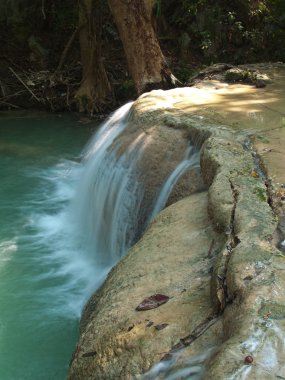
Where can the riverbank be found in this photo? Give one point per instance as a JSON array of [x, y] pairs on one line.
[[240, 267]]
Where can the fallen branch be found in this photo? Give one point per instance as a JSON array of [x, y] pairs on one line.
[[24, 84], [2, 88], [4, 98]]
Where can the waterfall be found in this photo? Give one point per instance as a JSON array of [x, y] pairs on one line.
[[107, 214], [109, 197], [191, 160], [108, 203]]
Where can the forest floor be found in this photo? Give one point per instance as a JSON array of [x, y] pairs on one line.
[[27, 85]]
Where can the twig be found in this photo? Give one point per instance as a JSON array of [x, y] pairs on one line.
[[2, 88], [11, 95], [24, 84]]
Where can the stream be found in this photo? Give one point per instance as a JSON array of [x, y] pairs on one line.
[[41, 286]]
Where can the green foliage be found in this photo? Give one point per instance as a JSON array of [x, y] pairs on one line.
[[237, 31], [184, 72], [50, 23], [126, 90], [263, 139], [261, 194]]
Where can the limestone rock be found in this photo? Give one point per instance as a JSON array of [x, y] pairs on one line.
[[172, 259], [237, 75], [212, 253], [161, 149]]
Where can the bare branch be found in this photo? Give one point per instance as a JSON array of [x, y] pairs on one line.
[[24, 84]]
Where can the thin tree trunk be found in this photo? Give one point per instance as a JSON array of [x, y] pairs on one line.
[[95, 87], [146, 63], [66, 49]]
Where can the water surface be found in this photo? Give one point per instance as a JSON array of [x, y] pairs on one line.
[[40, 299]]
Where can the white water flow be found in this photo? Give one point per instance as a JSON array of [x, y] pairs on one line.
[[64, 225], [191, 160], [86, 238], [101, 222], [105, 213], [90, 217], [84, 218], [173, 369], [109, 197]]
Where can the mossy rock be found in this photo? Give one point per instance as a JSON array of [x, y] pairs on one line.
[[261, 194], [183, 73], [238, 75], [272, 310], [244, 75]]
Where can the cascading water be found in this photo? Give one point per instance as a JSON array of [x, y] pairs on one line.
[[109, 197], [104, 217], [191, 160], [108, 204], [65, 241], [90, 235]]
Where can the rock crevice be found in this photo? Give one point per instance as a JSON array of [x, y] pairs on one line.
[[248, 268]]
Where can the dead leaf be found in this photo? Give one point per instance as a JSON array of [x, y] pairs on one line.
[[152, 302], [161, 326], [254, 173], [88, 354]]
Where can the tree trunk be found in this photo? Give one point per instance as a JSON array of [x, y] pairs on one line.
[[95, 87], [146, 63]]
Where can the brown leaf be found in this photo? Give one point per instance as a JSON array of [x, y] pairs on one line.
[[152, 302], [254, 173], [88, 354], [161, 326]]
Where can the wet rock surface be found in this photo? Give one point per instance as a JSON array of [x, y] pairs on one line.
[[249, 266], [160, 150], [213, 254], [172, 259], [247, 74]]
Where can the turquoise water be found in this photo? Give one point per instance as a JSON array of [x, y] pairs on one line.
[[42, 286]]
